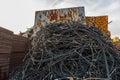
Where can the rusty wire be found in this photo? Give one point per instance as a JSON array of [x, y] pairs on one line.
[[71, 49]]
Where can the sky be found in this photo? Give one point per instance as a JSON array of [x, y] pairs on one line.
[[18, 15]]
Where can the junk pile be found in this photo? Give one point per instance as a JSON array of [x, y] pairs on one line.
[[64, 50]]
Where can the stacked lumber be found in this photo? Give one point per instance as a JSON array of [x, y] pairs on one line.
[[19, 49], [19, 43], [5, 50], [100, 22], [13, 48]]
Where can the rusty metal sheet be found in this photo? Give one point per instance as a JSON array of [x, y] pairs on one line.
[[100, 22], [59, 15]]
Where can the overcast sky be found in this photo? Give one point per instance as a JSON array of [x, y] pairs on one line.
[[18, 15]]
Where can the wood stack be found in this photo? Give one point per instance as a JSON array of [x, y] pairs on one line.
[[13, 48], [100, 22], [5, 50], [19, 50]]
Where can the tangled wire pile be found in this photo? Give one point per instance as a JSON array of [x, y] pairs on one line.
[[70, 49]]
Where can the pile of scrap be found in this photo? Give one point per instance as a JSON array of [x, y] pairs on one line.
[[5, 50], [70, 49], [12, 51]]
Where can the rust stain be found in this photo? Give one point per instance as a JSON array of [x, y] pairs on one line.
[[59, 15]]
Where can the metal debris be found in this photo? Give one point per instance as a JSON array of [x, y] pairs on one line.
[[63, 50]]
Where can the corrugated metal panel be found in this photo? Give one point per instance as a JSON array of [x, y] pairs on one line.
[[99, 22], [59, 15]]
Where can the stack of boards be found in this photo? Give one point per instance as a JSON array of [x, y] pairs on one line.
[[12, 51]]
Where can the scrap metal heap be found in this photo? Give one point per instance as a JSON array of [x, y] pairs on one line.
[[71, 49]]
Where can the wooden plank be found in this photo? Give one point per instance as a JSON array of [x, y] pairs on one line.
[[6, 36], [19, 38], [17, 49], [5, 50], [4, 65], [5, 46], [5, 30], [5, 42]]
